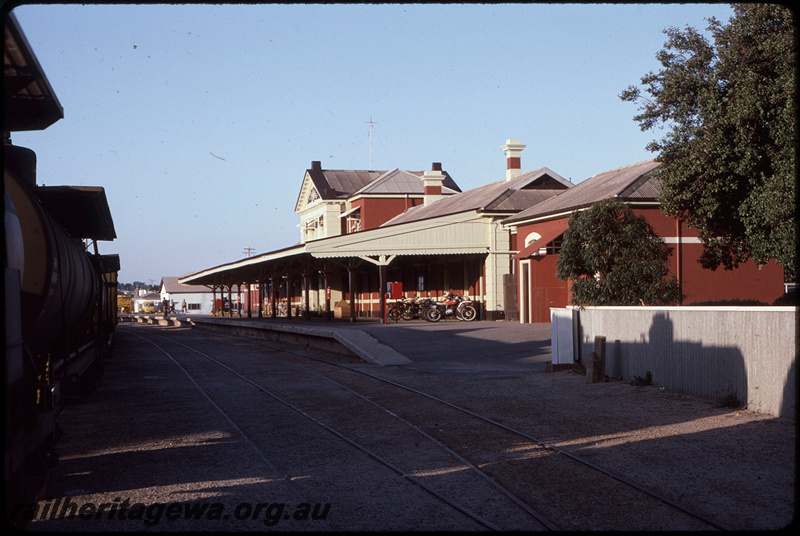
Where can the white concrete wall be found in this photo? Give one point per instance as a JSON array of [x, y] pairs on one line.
[[711, 352]]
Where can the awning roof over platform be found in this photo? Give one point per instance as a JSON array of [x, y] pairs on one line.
[[456, 234], [29, 102], [251, 269], [463, 233]]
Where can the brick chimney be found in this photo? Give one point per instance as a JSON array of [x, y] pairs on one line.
[[432, 181], [513, 148]]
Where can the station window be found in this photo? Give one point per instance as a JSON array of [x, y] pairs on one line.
[[193, 306], [555, 246]]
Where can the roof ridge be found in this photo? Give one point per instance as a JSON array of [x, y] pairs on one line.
[[621, 168], [384, 178]]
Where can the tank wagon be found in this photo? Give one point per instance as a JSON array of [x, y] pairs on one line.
[[60, 292]]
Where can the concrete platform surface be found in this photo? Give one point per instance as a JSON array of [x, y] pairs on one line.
[[446, 347]]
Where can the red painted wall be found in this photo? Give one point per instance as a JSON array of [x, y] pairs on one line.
[[747, 282], [377, 211], [546, 289]]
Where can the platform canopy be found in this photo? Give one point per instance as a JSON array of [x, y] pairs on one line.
[[250, 269], [29, 102], [82, 210], [463, 233], [456, 234]]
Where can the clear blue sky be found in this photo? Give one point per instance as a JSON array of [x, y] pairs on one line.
[[200, 120]]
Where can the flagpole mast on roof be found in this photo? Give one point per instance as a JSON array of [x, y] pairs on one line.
[[370, 142]]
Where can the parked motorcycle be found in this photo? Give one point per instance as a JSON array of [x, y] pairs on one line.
[[396, 310], [415, 308], [453, 305], [408, 308]]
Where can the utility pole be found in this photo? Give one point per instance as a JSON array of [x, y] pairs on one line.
[[248, 251]]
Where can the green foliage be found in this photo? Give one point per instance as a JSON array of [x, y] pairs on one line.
[[728, 161], [729, 303], [613, 257]]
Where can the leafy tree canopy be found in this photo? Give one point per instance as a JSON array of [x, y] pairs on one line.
[[728, 163], [613, 257]]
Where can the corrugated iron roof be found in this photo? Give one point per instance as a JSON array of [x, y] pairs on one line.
[[343, 183], [634, 182], [82, 210], [517, 200], [398, 181], [173, 286], [238, 271], [497, 196], [29, 103]]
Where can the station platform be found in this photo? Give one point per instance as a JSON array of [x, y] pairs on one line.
[[445, 347]]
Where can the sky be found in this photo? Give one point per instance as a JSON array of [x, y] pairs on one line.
[[200, 120]]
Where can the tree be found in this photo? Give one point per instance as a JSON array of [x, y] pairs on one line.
[[728, 164], [613, 257]]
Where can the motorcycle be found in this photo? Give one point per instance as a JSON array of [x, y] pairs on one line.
[[415, 308], [453, 305], [409, 308], [396, 310]]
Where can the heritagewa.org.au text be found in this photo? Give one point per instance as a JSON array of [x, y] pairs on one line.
[[271, 513]]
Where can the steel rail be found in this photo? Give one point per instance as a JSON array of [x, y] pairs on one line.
[[286, 480], [519, 502], [338, 434], [544, 444], [539, 442]]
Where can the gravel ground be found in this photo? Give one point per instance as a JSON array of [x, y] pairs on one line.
[[148, 435], [736, 467]]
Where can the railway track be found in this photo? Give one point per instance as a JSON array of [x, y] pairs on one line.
[[487, 474]]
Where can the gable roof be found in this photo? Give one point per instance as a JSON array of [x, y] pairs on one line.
[[398, 181], [173, 286], [635, 182], [337, 183], [333, 184], [501, 196]]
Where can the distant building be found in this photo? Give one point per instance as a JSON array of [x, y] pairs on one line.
[[198, 298]]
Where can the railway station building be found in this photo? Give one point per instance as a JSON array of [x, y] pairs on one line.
[[369, 236], [539, 230]]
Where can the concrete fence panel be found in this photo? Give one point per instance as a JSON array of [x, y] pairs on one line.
[[742, 353]]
